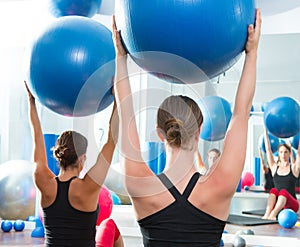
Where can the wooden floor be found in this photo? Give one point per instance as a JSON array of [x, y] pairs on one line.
[[264, 235], [12, 238]]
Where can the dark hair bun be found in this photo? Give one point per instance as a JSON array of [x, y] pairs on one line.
[[174, 129]]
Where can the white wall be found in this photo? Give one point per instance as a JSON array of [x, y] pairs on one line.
[[21, 20]]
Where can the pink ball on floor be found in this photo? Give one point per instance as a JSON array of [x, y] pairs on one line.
[[247, 179]]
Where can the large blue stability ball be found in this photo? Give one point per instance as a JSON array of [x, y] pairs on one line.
[[274, 142], [287, 218], [282, 117], [71, 66], [216, 113], [183, 40], [87, 8]]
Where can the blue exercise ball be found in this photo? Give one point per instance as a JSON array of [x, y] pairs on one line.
[[6, 225], [115, 198], [295, 141], [71, 66], [87, 8], [263, 106], [19, 225], [274, 142], [185, 41], [287, 218], [282, 117], [216, 113]]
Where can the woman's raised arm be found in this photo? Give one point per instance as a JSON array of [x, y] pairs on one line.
[[231, 163], [130, 151], [42, 173]]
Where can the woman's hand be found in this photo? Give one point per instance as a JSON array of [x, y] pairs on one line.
[[30, 96], [254, 34], [120, 50]]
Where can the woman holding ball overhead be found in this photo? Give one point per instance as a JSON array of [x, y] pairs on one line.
[[70, 204], [179, 207], [285, 175]]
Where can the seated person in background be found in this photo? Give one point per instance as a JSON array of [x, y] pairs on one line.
[[268, 184], [285, 175], [212, 156]]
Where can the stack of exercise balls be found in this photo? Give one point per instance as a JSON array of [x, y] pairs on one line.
[[70, 64], [185, 41]]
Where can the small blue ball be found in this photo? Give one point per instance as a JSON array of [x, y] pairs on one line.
[[287, 218], [6, 225], [19, 225]]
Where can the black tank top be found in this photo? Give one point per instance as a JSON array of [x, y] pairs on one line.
[[269, 183], [181, 223], [287, 182], [67, 226]]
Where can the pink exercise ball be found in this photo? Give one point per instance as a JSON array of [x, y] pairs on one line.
[[247, 179], [105, 204]]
